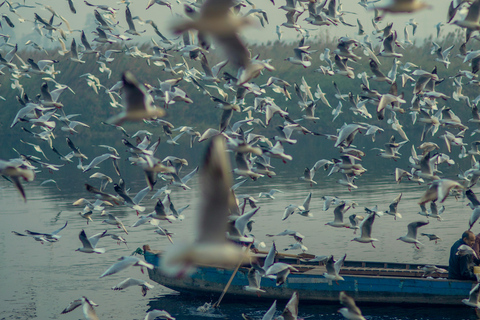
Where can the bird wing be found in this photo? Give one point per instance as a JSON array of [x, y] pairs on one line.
[[242, 221], [475, 294], [124, 263], [394, 204], [72, 306], [189, 176], [271, 312], [330, 266], [338, 264], [60, 229], [306, 203], [88, 311], [348, 302], [291, 309], [254, 278], [472, 197], [270, 258], [216, 181], [85, 242], [413, 227], [338, 213], [366, 226], [94, 239], [128, 283]]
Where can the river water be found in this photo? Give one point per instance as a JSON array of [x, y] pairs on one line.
[[37, 281]]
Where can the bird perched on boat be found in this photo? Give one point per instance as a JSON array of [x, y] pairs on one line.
[[333, 269], [411, 236], [350, 311], [465, 250], [429, 269], [134, 282]]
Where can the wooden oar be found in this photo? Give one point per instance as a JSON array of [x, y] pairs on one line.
[[216, 304]]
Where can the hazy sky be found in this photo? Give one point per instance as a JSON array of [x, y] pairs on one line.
[[164, 18]]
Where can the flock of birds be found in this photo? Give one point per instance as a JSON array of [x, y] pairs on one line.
[[219, 215]]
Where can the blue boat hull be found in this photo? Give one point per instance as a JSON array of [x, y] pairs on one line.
[[315, 287]]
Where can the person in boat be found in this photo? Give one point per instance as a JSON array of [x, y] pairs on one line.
[[461, 267], [476, 245]]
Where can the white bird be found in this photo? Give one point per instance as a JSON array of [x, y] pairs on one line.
[[254, 279], [87, 307], [134, 282], [338, 216], [289, 210], [333, 269], [139, 103], [125, 262], [351, 311], [304, 209], [402, 6], [281, 270], [411, 236], [115, 222], [464, 250], [155, 314], [471, 21], [291, 309], [329, 200], [366, 230], [210, 246], [53, 236], [97, 160], [269, 195], [473, 299], [392, 210], [89, 244]]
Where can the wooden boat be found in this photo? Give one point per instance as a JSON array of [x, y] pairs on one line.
[[367, 282]]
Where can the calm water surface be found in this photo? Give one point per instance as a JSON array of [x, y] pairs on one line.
[[38, 281]]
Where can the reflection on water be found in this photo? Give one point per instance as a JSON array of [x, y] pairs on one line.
[[185, 307], [39, 281]]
